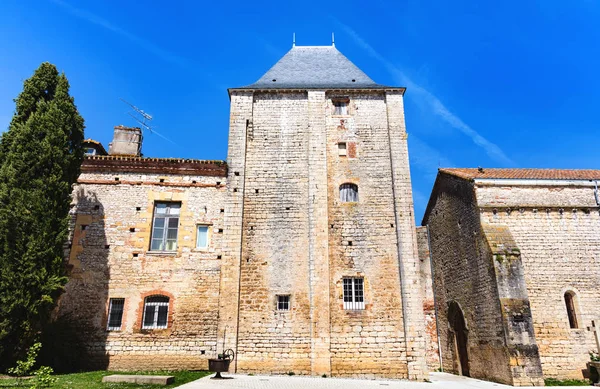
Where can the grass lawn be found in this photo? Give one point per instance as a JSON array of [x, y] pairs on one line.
[[553, 382], [93, 380]]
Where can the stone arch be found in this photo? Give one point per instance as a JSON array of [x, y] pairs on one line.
[[460, 334]]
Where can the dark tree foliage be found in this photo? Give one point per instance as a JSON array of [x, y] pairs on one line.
[[40, 158]]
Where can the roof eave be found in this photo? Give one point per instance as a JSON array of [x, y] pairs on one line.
[[382, 88]]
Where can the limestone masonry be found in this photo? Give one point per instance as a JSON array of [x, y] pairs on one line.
[[515, 262], [299, 253]]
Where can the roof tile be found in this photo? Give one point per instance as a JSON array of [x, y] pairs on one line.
[[523, 174]]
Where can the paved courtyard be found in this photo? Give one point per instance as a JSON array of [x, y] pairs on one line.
[[438, 380]]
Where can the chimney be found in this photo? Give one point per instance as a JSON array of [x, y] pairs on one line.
[[126, 141]]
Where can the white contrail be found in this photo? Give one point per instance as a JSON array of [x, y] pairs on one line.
[[436, 105], [144, 44]]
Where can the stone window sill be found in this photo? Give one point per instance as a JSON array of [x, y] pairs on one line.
[[161, 253]]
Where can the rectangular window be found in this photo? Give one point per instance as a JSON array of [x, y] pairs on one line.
[[340, 107], [354, 297], [342, 149], [202, 237], [115, 314], [283, 302], [156, 312], [164, 226]]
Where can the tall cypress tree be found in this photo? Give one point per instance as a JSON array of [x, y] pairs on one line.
[[40, 158]]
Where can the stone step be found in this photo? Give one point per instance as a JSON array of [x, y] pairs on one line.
[[140, 379]]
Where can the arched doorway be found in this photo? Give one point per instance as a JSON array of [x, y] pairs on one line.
[[456, 320]]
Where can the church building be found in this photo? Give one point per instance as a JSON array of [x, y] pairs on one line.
[[516, 255], [299, 252]]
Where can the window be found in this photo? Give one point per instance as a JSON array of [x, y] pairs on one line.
[[354, 297], [156, 312], [342, 149], [164, 226], [348, 193], [202, 237], [115, 314], [90, 151], [340, 107], [571, 312], [283, 302]]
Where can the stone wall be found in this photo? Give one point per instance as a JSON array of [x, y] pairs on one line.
[[110, 258], [431, 336], [299, 240], [556, 230], [464, 274]]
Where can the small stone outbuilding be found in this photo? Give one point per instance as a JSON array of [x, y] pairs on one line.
[[516, 255]]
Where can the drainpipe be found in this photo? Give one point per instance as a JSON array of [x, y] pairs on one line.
[[437, 323]]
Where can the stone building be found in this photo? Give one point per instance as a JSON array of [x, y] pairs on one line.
[[516, 255], [299, 252]]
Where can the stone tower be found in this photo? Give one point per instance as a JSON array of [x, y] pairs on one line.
[[320, 266]]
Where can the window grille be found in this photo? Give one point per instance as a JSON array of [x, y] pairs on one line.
[[115, 314], [202, 237], [340, 107], [164, 226], [342, 152], [571, 313], [354, 296], [348, 193], [283, 302], [156, 312]]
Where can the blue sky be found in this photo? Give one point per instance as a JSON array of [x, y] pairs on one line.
[[493, 84]]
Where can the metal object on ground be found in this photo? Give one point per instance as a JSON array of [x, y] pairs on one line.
[[221, 364]]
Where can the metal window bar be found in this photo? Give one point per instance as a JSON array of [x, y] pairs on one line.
[[283, 303], [164, 227], [156, 312], [348, 193], [115, 314], [354, 294]]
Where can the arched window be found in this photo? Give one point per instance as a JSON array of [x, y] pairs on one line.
[[156, 312], [348, 193], [571, 308]]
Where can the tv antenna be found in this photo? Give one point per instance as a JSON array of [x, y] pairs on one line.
[[144, 120]]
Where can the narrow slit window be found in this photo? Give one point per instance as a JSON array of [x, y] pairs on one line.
[[156, 312], [571, 312], [342, 151], [348, 193], [202, 237], [115, 314], [164, 226], [354, 295], [283, 302]]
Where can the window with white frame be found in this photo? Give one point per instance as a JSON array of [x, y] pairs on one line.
[[340, 107], [283, 302], [348, 193], [115, 313], [164, 226], [156, 312], [342, 152], [354, 295], [201, 236]]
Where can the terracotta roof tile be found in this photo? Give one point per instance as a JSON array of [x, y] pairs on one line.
[[523, 174]]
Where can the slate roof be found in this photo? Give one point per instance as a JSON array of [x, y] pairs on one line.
[[314, 67], [525, 174]]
